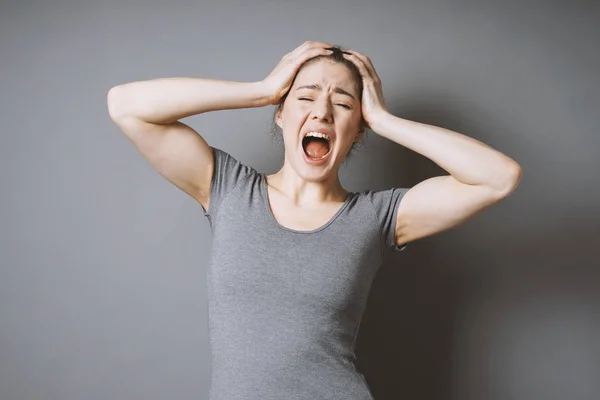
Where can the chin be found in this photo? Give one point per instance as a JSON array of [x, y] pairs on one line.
[[314, 173]]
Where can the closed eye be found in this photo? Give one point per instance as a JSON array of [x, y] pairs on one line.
[[343, 105]]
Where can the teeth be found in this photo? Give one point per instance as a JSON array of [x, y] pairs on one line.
[[318, 134]]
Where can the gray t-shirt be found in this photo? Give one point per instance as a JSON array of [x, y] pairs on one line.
[[284, 305]]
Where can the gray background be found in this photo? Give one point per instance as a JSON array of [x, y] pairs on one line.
[[103, 262]]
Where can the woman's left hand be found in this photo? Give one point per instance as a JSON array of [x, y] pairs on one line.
[[373, 103]]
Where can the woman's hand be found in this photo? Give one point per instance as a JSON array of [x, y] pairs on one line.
[[373, 103], [280, 79]]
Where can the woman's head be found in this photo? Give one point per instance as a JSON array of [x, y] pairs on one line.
[[324, 95]]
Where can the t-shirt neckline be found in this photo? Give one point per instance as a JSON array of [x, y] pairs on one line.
[[265, 195]]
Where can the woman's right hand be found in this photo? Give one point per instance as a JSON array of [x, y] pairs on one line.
[[280, 79]]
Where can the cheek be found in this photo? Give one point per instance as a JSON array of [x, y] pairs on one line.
[[357, 116], [295, 116], [351, 118], [293, 121]]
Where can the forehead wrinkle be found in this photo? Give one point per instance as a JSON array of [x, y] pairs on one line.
[[316, 86]]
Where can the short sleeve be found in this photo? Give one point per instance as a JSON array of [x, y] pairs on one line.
[[386, 204], [227, 173]]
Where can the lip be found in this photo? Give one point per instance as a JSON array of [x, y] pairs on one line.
[[331, 140], [328, 132]]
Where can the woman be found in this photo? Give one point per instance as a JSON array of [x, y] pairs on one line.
[[294, 254]]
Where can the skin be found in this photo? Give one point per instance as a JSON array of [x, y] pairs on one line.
[[309, 108], [479, 176]]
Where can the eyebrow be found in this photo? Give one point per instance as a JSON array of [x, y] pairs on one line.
[[318, 87]]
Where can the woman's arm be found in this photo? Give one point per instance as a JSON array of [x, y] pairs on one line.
[[468, 160], [165, 100], [148, 113], [479, 175]]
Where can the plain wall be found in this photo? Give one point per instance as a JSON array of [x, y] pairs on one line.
[[103, 262]]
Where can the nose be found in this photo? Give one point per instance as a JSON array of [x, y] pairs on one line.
[[322, 109]]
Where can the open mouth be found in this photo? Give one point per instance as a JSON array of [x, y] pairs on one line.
[[316, 145]]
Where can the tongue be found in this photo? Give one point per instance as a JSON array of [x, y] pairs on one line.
[[316, 149]]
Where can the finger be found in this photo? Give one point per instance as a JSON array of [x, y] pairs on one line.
[[310, 50], [367, 75], [362, 57], [366, 61], [318, 44], [308, 45], [307, 50], [311, 53], [362, 68]]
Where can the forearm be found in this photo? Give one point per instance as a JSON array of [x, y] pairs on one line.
[[165, 100], [466, 159]]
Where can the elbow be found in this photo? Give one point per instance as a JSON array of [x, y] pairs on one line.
[[111, 102], [114, 102], [511, 180]]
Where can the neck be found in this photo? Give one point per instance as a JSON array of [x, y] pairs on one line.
[[305, 191]]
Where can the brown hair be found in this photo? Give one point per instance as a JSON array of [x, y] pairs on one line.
[[336, 56]]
